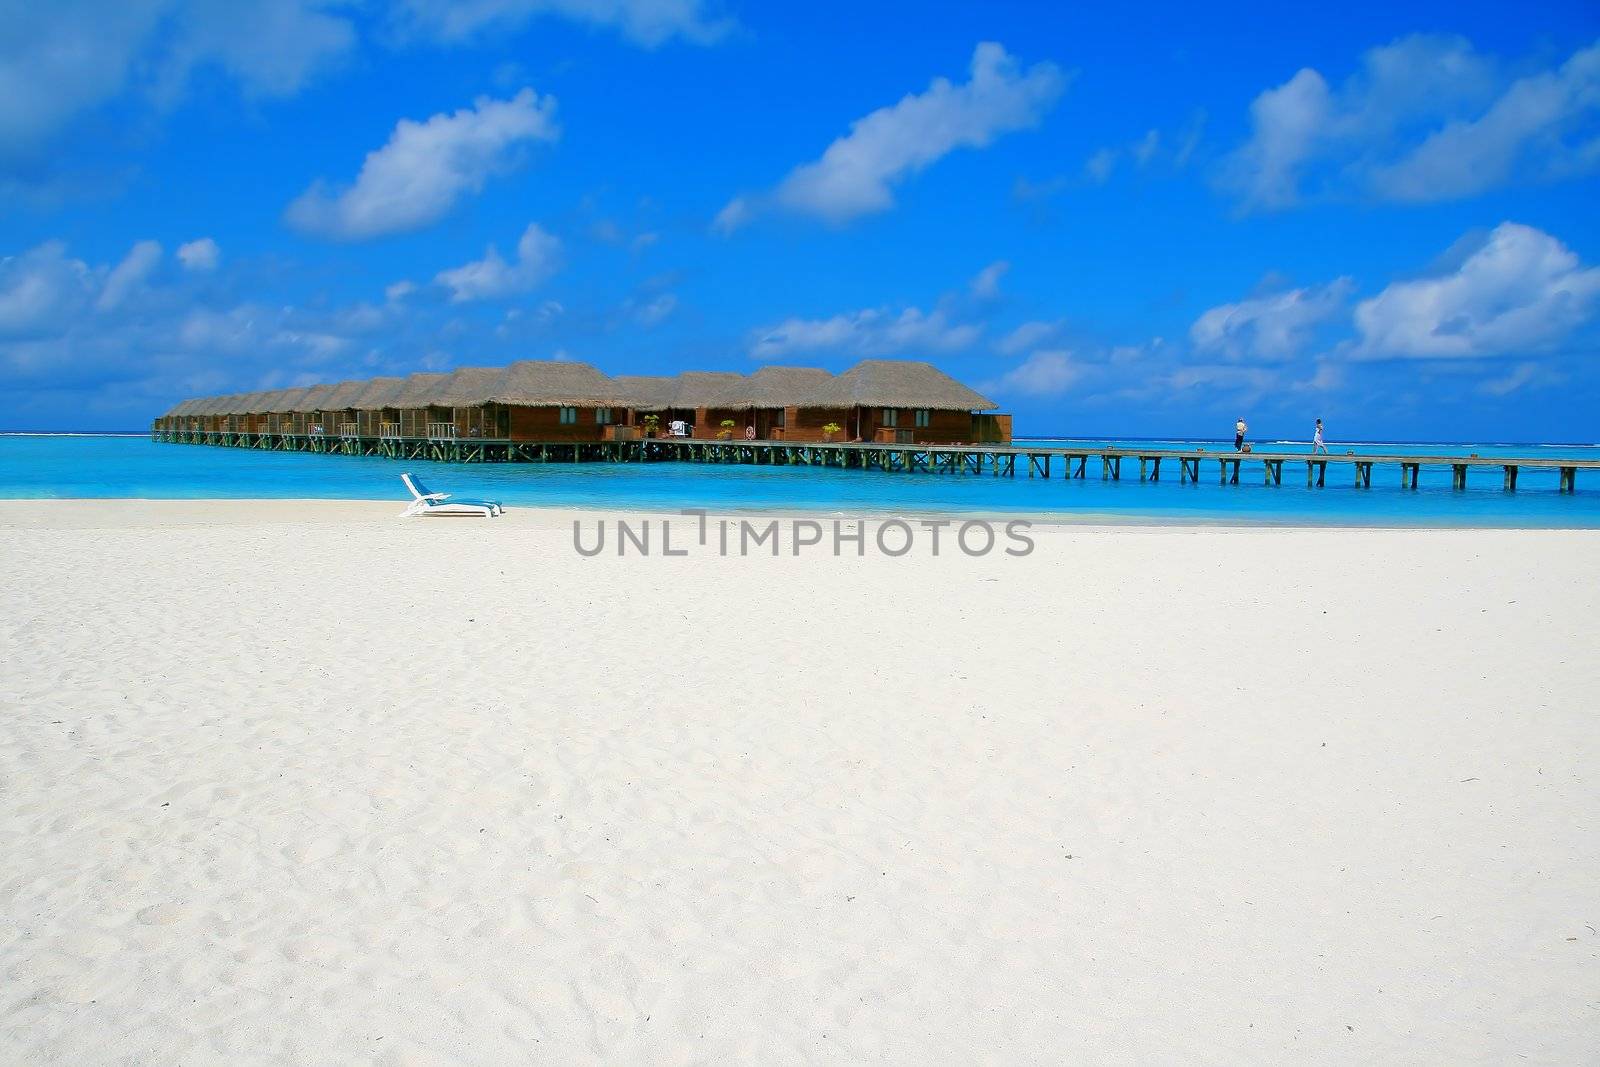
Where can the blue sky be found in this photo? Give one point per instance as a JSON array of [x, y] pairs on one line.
[[1112, 225]]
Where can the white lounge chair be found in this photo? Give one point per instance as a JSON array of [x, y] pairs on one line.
[[426, 503]]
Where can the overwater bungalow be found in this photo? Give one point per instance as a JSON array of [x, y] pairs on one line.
[[558, 400], [778, 404], [906, 401], [283, 416], [376, 415], [703, 399], [465, 394], [414, 404], [334, 412], [644, 396]]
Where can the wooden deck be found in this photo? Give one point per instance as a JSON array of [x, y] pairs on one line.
[[1007, 461]]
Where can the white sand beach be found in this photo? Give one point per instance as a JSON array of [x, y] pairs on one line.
[[302, 783]]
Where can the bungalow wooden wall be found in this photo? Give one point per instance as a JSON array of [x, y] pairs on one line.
[[544, 424], [944, 427], [708, 421], [991, 429], [805, 424]]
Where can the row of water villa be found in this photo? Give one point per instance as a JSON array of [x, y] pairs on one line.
[[888, 415], [497, 412]]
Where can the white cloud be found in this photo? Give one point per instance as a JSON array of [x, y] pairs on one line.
[[1520, 292], [869, 332], [126, 277], [656, 311], [1272, 327], [1028, 335], [734, 214], [231, 330], [1528, 125], [425, 167], [492, 277], [1046, 373], [41, 289], [986, 284], [857, 173], [61, 60], [644, 22], [1145, 149], [1519, 376], [1422, 118], [200, 255], [1100, 165]]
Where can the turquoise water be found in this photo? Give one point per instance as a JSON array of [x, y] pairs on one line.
[[134, 466]]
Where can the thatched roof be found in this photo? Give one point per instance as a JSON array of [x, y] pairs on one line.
[[379, 393], [708, 389], [260, 403], [417, 391], [646, 392], [895, 383], [554, 383], [342, 395], [315, 398], [551, 383], [256, 403], [467, 387], [284, 401], [778, 387]]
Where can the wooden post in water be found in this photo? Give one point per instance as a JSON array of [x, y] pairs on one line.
[[1511, 477]]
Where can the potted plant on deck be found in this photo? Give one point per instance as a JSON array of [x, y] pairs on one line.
[[829, 430], [726, 432], [652, 424]]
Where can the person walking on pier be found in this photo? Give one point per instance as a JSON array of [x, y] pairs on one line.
[[1316, 440], [1239, 429]]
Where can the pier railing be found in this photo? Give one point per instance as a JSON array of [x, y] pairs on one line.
[[441, 431]]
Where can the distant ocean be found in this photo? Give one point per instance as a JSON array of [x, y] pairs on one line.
[[43, 466]]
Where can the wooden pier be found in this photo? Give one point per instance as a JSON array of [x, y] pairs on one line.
[[1008, 461]]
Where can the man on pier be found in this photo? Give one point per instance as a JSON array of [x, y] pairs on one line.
[[1238, 435]]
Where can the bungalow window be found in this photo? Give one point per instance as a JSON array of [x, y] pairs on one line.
[[569, 416], [778, 419], [922, 416], [602, 416], [891, 417]]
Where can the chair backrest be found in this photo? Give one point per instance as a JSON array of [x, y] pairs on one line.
[[418, 490]]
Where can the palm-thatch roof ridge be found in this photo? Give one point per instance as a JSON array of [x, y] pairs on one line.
[[647, 392], [286, 401], [708, 389], [417, 391], [379, 393], [315, 398], [778, 387], [555, 383], [897, 383], [343, 395], [467, 387]]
